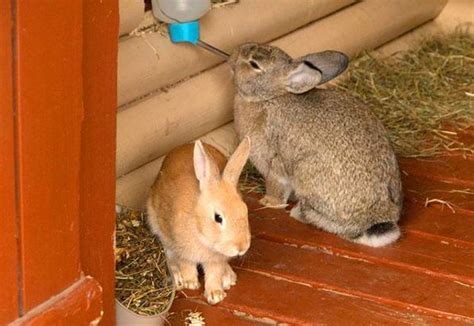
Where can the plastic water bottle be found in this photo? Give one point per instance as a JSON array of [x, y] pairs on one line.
[[182, 16]]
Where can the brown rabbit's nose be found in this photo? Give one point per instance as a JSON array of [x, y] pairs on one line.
[[242, 248]]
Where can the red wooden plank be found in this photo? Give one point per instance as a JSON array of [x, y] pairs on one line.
[[81, 304], [213, 315], [97, 210], [280, 300], [8, 244], [452, 169], [49, 114], [446, 225], [382, 284], [417, 253], [422, 189]]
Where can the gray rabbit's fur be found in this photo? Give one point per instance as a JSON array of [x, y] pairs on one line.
[[323, 146]]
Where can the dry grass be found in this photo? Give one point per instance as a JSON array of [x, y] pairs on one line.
[[423, 96], [142, 280], [251, 180]]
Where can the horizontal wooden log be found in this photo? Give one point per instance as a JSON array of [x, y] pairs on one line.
[[152, 127], [151, 61], [131, 13], [132, 189], [456, 13]]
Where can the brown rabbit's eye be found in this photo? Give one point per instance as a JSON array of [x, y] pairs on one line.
[[255, 65], [218, 218]]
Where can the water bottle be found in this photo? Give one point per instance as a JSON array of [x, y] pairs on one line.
[[182, 17]]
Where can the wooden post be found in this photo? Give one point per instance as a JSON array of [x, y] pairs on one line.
[[57, 161], [97, 209], [8, 242], [48, 117]]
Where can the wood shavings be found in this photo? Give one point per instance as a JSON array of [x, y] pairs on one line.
[[439, 201], [194, 319], [222, 3], [149, 25]]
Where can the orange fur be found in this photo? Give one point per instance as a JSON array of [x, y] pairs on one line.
[[181, 212]]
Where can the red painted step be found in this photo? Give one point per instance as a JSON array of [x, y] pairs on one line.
[[421, 189], [212, 315], [273, 298], [396, 287], [414, 252], [454, 228], [450, 169]]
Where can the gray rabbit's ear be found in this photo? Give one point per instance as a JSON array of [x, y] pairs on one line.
[[330, 63], [302, 77]]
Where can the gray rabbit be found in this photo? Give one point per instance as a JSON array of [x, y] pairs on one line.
[[323, 146]]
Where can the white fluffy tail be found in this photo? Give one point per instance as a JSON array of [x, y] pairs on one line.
[[379, 235]]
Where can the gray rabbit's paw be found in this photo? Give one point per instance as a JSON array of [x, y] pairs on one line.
[[297, 214]]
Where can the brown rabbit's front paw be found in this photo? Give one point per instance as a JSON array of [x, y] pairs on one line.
[[184, 274], [191, 284], [272, 202], [185, 280], [215, 295], [229, 279], [178, 279]]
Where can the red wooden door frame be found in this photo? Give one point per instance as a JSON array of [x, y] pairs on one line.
[[97, 219], [57, 160], [8, 242]]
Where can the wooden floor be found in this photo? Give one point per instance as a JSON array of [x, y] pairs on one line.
[[296, 274]]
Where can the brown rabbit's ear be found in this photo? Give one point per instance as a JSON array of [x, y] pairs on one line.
[[302, 77], [205, 168], [236, 162], [330, 63]]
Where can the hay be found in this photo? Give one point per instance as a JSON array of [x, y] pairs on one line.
[[142, 280], [251, 180], [423, 96]]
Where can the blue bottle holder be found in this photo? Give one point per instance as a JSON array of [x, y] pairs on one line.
[[184, 32]]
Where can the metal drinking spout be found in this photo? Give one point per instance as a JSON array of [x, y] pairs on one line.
[[212, 49]]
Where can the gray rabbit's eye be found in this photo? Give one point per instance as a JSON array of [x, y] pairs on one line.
[[255, 65]]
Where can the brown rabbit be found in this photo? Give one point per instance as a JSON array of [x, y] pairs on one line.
[[199, 216], [323, 146]]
